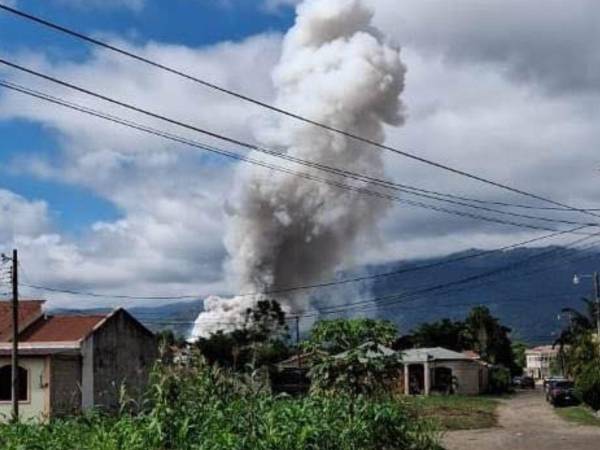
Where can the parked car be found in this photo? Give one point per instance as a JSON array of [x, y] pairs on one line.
[[548, 382], [527, 382], [562, 393], [523, 382]]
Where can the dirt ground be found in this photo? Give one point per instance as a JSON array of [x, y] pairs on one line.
[[526, 422]]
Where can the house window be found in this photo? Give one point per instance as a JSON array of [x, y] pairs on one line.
[[6, 383]]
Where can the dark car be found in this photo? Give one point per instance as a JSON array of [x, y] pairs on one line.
[[562, 393], [549, 383], [523, 382], [527, 383]]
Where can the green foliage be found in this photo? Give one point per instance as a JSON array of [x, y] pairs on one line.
[[489, 338], [499, 380], [167, 337], [443, 333], [480, 332], [588, 384], [259, 342], [364, 370], [354, 360], [203, 407], [581, 415], [338, 335], [520, 359]]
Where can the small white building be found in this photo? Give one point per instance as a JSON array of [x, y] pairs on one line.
[[539, 360], [440, 369]]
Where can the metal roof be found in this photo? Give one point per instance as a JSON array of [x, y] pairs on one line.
[[417, 355]]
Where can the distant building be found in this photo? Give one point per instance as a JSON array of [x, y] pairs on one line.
[[539, 360], [68, 364]]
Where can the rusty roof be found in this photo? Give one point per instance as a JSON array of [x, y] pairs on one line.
[[61, 328], [29, 311]]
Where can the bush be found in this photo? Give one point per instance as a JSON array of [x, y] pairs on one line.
[[588, 384], [499, 380], [206, 408], [363, 370]]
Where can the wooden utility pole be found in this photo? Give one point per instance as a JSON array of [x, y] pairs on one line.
[[298, 341], [597, 299], [15, 337]]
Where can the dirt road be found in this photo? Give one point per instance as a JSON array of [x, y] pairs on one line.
[[526, 422]]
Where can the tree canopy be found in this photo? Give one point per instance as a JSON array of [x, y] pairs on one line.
[[338, 335]]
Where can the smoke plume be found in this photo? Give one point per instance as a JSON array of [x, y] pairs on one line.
[[283, 231]]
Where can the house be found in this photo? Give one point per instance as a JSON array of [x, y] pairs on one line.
[[539, 361], [291, 375], [440, 369], [68, 364]]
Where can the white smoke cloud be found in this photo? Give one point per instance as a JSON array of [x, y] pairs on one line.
[[283, 231]]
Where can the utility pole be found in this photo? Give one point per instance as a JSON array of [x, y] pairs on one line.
[[597, 299], [15, 337], [298, 341]]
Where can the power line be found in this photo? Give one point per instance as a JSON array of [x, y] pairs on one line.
[[306, 286], [440, 290], [285, 112], [451, 292], [406, 296], [399, 297], [157, 298], [401, 307], [312, 177], [314, 165]]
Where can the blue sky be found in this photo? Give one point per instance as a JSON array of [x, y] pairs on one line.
[[490, 87], [198, 23]]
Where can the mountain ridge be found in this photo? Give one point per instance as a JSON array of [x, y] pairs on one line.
[[526, 288]]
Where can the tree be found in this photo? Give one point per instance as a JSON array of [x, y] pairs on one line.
[[519, 349], [579, 350], [588, 383], [580, 323], [338, 335], [443, 333], [258, 342], [353, 356], [485, 335], [365, 370]]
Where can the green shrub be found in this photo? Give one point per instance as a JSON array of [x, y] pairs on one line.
[[206, 408], [499, 380], [588, 384]]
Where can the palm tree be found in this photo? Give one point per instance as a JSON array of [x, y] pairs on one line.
[[581, 322], [581, 326]]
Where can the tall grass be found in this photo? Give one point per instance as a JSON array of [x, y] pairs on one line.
[[204, 408]]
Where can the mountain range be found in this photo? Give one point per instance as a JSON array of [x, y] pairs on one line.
[[526, 288]]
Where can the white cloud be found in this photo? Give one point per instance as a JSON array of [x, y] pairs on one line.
[[509, 93], [171, 197], [20, 217]]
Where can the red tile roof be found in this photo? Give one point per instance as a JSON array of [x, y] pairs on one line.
[[29, 311], [61, 328]]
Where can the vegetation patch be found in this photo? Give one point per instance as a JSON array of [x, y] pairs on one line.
[[581, 415], [457, 412], [199, 407]]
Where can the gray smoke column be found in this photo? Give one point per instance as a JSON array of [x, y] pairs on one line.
[[283, 231]]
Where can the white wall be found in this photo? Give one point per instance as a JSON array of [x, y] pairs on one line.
[[37, 405]]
